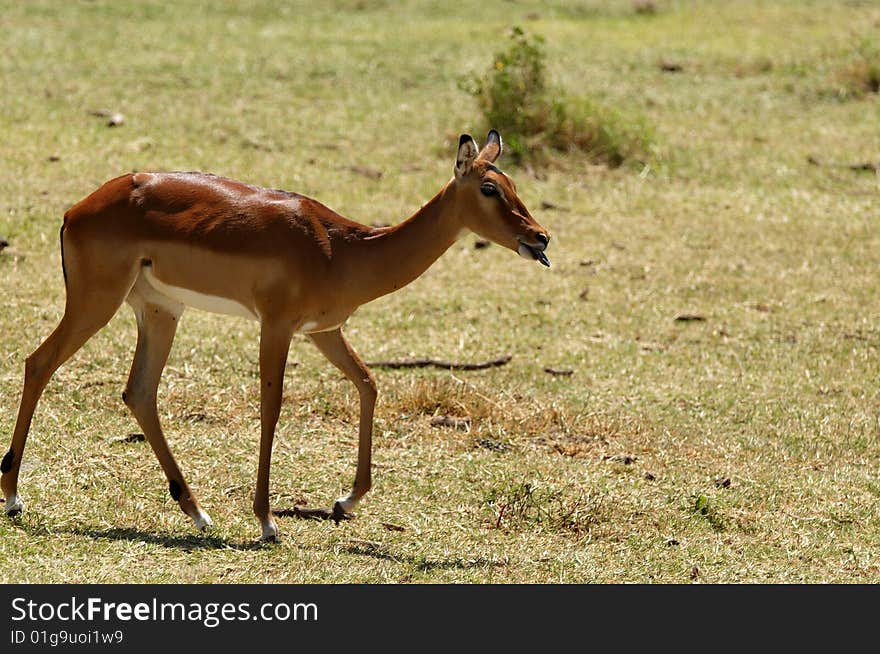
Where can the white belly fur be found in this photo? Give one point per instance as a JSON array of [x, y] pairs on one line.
[[190, 298]]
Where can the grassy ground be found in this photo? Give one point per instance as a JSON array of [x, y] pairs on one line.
[[741, 447]]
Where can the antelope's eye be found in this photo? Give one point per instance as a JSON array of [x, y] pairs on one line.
[[488, 190]]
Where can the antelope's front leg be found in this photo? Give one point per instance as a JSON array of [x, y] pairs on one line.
[[274, 345], [337, 350]]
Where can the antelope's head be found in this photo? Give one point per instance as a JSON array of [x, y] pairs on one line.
[[493, 209]]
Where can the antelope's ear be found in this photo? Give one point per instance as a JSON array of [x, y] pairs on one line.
[[492, 150], [467, 154]]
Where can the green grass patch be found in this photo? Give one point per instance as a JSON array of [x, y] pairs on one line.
[[860, 75], [777, 388], [538, 118]]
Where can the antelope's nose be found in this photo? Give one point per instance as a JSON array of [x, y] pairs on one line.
[[543, 239]]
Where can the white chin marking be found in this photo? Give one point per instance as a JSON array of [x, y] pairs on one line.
[[525, 252], [202, 521], [14, 505], [270, 531]]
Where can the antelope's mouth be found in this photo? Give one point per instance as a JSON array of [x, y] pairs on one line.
[[534, 252]]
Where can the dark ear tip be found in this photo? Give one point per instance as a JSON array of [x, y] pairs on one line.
[[464, 138], [493, 135]]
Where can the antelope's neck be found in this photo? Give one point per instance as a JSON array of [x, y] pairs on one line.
[[395, 257]]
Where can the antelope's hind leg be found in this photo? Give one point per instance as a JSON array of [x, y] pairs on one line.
[[157, 318], [69, 336], [93, 297]]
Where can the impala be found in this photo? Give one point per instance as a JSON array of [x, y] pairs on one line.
[[165, 241]]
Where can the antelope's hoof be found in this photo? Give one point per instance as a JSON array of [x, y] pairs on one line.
[[270, 532], [14, 506], [203, 521], [339, 513]]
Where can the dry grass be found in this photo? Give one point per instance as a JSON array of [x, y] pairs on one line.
[[614, 473]]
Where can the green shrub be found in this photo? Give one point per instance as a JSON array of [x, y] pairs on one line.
[[861, 75], [535, 116]]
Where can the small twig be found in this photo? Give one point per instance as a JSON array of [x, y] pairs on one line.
[[114, 118], [869, 166], [130, 438], [552, 206], [560, 373], [445, 365], [670, 67], [500, 516], [690, 317], [295, 512], [451, 421], [390, 526], [366, 171], [313, 514]]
